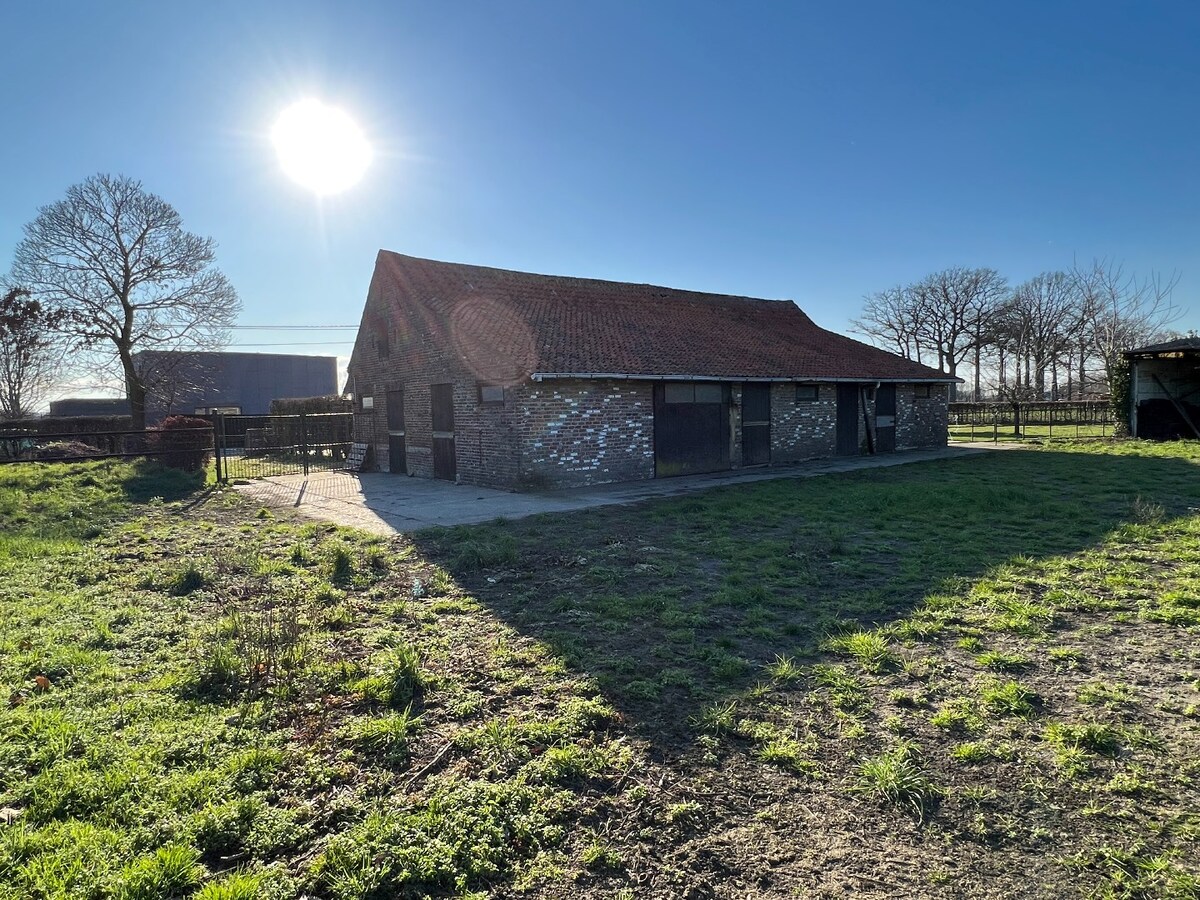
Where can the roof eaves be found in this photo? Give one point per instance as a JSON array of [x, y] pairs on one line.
[[825, 379]]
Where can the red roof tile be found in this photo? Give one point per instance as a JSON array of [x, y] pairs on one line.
[[509, 325]]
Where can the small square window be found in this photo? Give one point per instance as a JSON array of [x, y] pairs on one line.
[[679, 393], [709, 392], [922, 392], [807, 393], [368, 402], [491, 393]]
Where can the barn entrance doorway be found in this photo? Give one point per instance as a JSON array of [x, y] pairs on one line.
[[397, 457], [756, 424], [885, 418], [691, 428], [441, 401], [847, 420]]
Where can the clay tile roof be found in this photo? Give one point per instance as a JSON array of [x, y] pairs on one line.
[[507, 325]]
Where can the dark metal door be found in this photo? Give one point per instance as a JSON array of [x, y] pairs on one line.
[[885, 418], [756, 424], [397, 456], [442, 403], [847, 419], [691, 428]]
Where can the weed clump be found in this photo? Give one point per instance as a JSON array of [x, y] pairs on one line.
[[1009, 699], [189, 580], [472, 555], [398, 681], [171, 871], [870, 648], [388, 736], [339, 562], [897, 777], [466, 835]]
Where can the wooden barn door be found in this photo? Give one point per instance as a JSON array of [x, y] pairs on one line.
[[397, 456], [756, 424], [885, 418], [691, 428], [442, 403], [847, 419]]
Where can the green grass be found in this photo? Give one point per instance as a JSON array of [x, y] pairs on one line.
[[1029, 432], [991, 662]]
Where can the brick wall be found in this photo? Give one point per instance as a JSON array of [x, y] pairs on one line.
[[484, 434], [573, 433], [551, 434], [804, 429], [921, 422]]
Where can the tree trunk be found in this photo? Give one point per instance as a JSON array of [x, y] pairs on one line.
[[136, 392], [978, 392]]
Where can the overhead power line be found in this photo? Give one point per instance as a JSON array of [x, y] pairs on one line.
[[294, 344], [293, 327]]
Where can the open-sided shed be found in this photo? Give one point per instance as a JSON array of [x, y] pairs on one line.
[[1165, 388]]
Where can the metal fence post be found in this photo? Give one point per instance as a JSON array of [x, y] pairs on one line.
[[304, 442], [218, 445]]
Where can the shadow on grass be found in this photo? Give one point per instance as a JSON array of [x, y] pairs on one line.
[[69, 500], [148, 480], [674, 604]]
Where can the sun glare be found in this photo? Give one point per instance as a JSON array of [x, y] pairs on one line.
[[320, 147]]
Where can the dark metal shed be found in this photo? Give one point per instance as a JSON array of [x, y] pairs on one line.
[[1165, 388]]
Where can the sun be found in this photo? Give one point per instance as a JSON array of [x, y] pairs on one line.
[[320, 147]]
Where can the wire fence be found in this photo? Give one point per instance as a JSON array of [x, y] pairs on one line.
[[254, 446], [190, 447], [1024, 421]]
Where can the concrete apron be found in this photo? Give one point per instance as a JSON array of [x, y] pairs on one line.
[[387, 504]]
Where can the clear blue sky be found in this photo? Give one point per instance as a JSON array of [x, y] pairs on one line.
[[815, 151]]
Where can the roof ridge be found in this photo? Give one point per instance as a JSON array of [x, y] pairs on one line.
[[576, 279]]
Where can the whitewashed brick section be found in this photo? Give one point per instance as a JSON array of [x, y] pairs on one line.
[[584, 432]]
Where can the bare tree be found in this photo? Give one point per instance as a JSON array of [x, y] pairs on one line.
[[950, 315], [956, 311], [1122, 311], [889, 320], [1038, 320], [29, 355], [171, 378], [116, 264]]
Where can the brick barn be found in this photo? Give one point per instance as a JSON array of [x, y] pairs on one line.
[[523, 381]]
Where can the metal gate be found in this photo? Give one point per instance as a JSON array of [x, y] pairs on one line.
[[254, 446]]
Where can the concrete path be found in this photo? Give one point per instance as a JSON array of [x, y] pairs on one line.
[[387, 504]]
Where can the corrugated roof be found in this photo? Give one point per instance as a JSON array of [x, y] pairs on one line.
[[1187, 343], [509, 325]]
